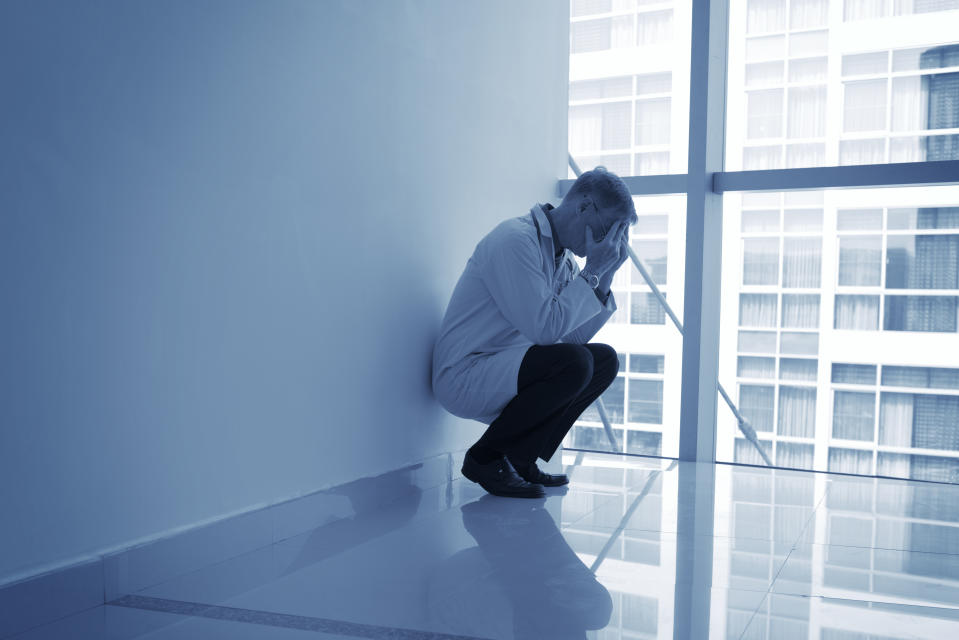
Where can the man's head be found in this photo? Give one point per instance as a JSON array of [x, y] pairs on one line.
[[598, 199]]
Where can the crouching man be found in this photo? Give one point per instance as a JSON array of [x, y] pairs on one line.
[[513, 351]]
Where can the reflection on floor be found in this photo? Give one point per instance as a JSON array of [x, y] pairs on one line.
[[635, 548]]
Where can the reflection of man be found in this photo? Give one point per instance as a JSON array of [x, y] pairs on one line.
[[512, 351], [552, 593]]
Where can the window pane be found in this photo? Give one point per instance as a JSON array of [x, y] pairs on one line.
[[754, 367], [645, 309], [757, 341], [854, 415], [854, 373], [902, 93], [860, 260], [652, 253], [925, 377], [652, 352], [802, 261], [882, 371], [920, 313], [800, 311], [859, 220], [757, 310], [922, 262], [652, 121], [797, 411], [761, 261], [644, 443], [799, 343], [646, 401], [756, 405], [798, 369], [857, 313], [923, 421], [924, 218]]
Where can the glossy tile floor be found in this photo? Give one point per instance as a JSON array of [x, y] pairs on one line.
[[635, 548]]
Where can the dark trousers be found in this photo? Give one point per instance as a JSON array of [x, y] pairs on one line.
[[556, 383]]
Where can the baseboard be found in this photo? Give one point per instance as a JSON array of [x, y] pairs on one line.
[[40, 599]]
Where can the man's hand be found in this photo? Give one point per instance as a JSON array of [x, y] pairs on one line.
[[606, 256]]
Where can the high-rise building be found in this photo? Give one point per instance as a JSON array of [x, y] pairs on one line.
[[839, 327]]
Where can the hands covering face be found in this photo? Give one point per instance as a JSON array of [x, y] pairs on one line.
[[607, 255]]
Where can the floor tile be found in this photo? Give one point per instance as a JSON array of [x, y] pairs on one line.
[[882, 575], [787, 617], [122, 623]]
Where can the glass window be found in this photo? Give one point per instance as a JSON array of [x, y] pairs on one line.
[[797, 411], [757, 341], [859, 220], [800, 311], [804, 14], [646, 401], [765, 15], [794, 455], [799, 220], [652, 121], [857, 313], [761, 261], [765, 114], [800, 369], [854, 373], [808, 43], [645, 309], [920, 313], [802, 262], [644, 443], [618, 87], [755, 367], [864, 105], [854, 415], [756, 405], [650, 225], [653, 254], [850, 461], [591, 35], [860, 260], [924, 377], [614, 399], [807, 70], [924, 218], [757, 309], [922, 262], [760, 221], [762, 73], [640, 363], [654, 27], [923, 421], [799, 343], [807, 112]]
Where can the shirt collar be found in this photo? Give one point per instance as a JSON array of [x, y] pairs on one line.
[[546, 225]]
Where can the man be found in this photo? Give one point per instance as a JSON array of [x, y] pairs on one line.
[[512, 350]]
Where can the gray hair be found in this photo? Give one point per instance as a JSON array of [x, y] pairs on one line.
[[607, 189]]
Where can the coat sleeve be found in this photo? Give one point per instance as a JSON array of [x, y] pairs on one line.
[[513, 273], [585, 332]]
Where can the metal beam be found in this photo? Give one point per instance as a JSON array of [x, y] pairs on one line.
[[897, 174], [641, 185], [704, 231]]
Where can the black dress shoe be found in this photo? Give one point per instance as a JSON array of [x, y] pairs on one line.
[[531, 473], [500, 478]]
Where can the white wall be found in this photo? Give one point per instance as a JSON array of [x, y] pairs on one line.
[[228, 233]]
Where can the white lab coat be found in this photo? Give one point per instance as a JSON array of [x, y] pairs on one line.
[[511, 296]]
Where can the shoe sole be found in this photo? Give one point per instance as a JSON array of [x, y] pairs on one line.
[[535, 491]]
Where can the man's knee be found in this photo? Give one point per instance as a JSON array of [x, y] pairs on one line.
[[605, 361], [576, 365]]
